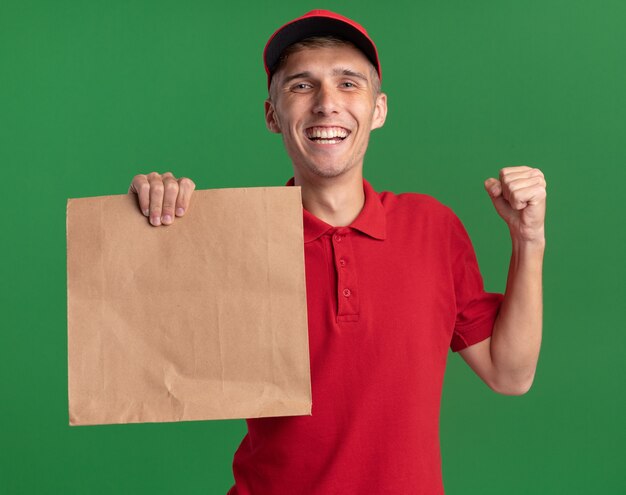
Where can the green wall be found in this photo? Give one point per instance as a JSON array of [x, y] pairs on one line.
[[92, 93]]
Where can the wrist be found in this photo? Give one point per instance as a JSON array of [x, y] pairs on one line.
[[528, 246], [534, 238]]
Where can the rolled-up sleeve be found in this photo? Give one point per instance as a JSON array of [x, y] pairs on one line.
[[476, 310]]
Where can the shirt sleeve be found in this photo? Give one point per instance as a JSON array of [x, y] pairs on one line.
[[476, 310]]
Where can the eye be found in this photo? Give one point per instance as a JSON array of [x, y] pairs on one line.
[[348, 84], [301, 86]]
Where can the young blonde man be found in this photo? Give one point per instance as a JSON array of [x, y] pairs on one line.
[[392, 283]]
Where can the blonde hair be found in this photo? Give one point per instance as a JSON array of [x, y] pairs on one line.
[[320, 42]]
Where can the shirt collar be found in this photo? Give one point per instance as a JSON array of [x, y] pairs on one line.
[[371, 220]]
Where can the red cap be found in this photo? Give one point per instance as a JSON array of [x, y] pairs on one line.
[[318, 23]]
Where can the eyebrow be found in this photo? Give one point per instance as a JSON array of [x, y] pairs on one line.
[[349, 72], [299, 75], [336, 72]]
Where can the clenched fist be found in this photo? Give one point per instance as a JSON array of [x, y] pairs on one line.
[[162, 197], [519, 196]]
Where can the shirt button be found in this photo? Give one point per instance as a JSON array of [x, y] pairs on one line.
[[346, 292], [337, 238], [342, 262]]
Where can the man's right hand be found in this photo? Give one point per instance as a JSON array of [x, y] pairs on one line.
[[162, 197]]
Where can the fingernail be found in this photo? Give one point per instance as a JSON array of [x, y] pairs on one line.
[[167, 219], [146, 212], [156, 221], [180, 212]]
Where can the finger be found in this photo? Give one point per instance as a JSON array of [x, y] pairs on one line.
[[524, 182], [185, 189], [532, 194], [156, 198], [493, 187], [514, 170], [170, 192], [515, 191], [510, 174], [141, 188]]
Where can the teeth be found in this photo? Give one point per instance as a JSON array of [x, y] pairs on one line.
[[326, 132]]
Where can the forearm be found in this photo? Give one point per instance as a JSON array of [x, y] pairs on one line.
[[516, 338]]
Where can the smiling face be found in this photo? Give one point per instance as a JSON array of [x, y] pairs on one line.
[[324, 103]]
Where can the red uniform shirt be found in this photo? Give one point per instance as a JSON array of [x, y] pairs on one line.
[[387, 297]]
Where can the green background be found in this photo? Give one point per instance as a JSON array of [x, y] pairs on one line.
[[92, 93]]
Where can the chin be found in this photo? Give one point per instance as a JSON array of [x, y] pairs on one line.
[[326, 172]]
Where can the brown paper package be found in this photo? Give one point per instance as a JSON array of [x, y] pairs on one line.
[[202, 319]]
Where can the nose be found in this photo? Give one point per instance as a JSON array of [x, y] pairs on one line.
[[326, 100]]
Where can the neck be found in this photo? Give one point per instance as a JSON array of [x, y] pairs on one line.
[[337, 200]]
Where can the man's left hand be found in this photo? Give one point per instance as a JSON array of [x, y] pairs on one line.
[[519, 197]]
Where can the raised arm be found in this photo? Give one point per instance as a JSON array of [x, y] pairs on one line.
[[508, 359]]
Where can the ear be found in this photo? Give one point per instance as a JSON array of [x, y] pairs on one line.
[[380, 111], [271, 118]]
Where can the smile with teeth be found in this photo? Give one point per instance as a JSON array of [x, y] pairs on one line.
[[327, 135]]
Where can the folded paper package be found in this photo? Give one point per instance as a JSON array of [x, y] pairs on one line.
[[202, 319]]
